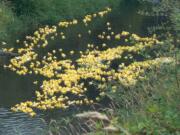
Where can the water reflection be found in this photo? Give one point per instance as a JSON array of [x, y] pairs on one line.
[[14, 88], [20, 124]]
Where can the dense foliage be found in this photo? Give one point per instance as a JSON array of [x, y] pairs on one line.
[[165, 14], [20, 17]]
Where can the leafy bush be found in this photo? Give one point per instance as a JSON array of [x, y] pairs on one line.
[[7, 18], [58, 8], [21, 17]]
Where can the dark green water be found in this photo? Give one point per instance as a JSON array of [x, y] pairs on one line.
[[15, 89]]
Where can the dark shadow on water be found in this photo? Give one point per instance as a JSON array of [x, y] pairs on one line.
[[14, 88]]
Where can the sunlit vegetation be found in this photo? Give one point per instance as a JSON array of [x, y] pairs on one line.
[[68, 82]]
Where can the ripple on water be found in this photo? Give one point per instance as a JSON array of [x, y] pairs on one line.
[[20, 124]]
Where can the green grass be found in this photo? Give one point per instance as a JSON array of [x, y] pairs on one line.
[[157, 111], [152, 106]]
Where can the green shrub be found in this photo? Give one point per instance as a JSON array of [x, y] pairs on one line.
[[11, 27], [22, 17], [54, 10], [7, 18]]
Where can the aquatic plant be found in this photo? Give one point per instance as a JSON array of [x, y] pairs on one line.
[[67, 82]]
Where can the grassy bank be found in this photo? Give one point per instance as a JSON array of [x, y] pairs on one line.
[[150, 107], [158, 108]]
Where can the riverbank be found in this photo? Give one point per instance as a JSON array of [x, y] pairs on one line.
[[155, 109]]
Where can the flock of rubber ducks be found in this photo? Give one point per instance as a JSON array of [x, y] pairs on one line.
[[65, 82]]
